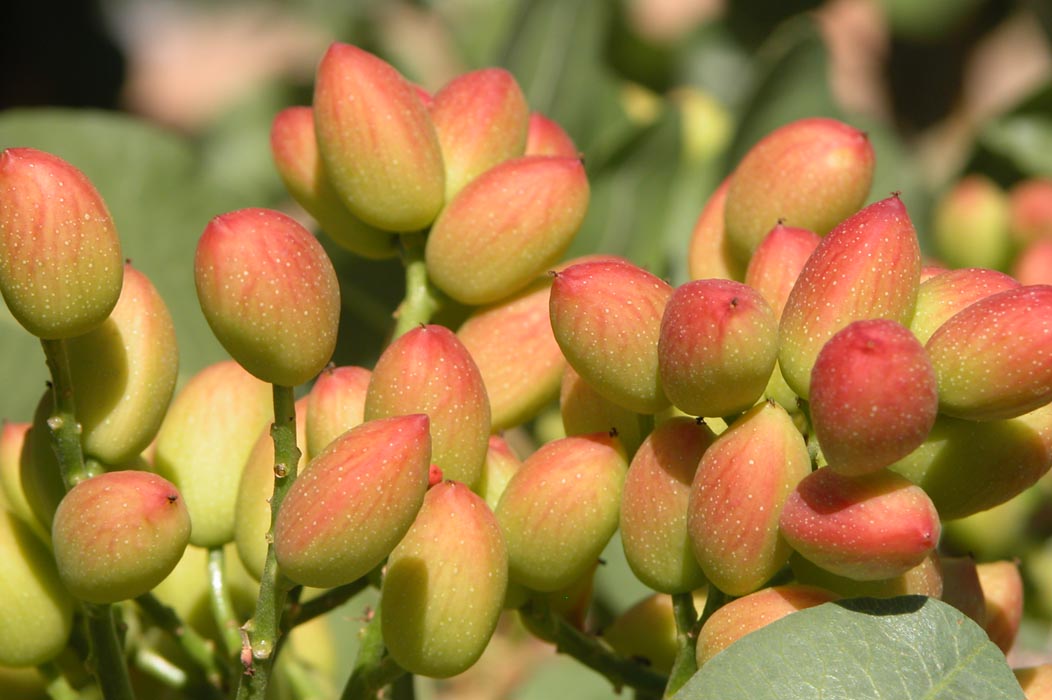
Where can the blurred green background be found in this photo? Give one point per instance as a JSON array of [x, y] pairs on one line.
[[167, 105]]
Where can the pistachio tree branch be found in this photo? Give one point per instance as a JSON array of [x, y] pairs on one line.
[[65, 431], [686, 664], [373, 669], [262, 631], [107, 657]]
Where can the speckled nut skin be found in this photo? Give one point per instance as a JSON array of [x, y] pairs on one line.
[[355, 501], [269, 293], [778, 262], [709, 255], [943, 295], [119, 534], [444, 586], [60, 258], [737, 496], [335, 404], [867, 267]]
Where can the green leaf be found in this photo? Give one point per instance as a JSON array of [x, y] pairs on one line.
[[907, 648], [1024, 139]]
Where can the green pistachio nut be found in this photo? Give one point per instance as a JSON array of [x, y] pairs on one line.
[[961, 587], [993, 360], [119, 534], [584, 410], [812, 173], [970, 228], [924, 579], [873, 396], [500, 465], [717, 348], [506, 227], [654, 506], [335, 404], [60, 258], [124, 373], [205, 440], [737, 496], [646, 633], [561, 508], [1002, 586], [428, 370], [443, 590], [354, 502], [867, 267], [36, 611], [14, 447], [967, 466], [252, 512], [379, 146], [606, 316], [269, 293], [294, 146], [512, 343], [481, 118], [867, 527]]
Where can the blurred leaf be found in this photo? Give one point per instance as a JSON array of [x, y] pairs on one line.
[[615, 584], [791, 84], [1024, 139], [904, 648], [715, 62], [898, 170], [479, 28]]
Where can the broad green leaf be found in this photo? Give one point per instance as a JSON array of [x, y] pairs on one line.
[[907, 648], [1024, 139]]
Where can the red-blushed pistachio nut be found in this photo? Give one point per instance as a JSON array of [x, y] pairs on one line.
[[205, 440], [1034, 263], [119, 534], [561, 508], [500, 465], [585, 411], [929, 269], [654, 506], [512, 343], [335, 404], [873, 396], [13, 445], [507, 226], [867, 267], [943, 295], [737, 496], [924, 579], [966, 467], [1030, 204], [481, 118], [752, 612], [252, 513], [970, 226], [993, 360], [544, 137], [269, 293], [377, 141], [646, 633], [294, 147], [868, 527], [961, 587], [812, 173], [428, 370], [717, 347], [777, 262], [1002, 587], [124, 373], [606, 316], [354, 502], [36, 611], [709, 255], [60, 257], [443, 590]]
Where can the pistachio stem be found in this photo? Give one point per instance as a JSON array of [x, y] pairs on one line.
[[262, 631], [222, 605], [200, 650], [685, 664], [590, 652], [420, 301], [107, 657], [65, 431], [373, 669], [298, 613], [57, 685]]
